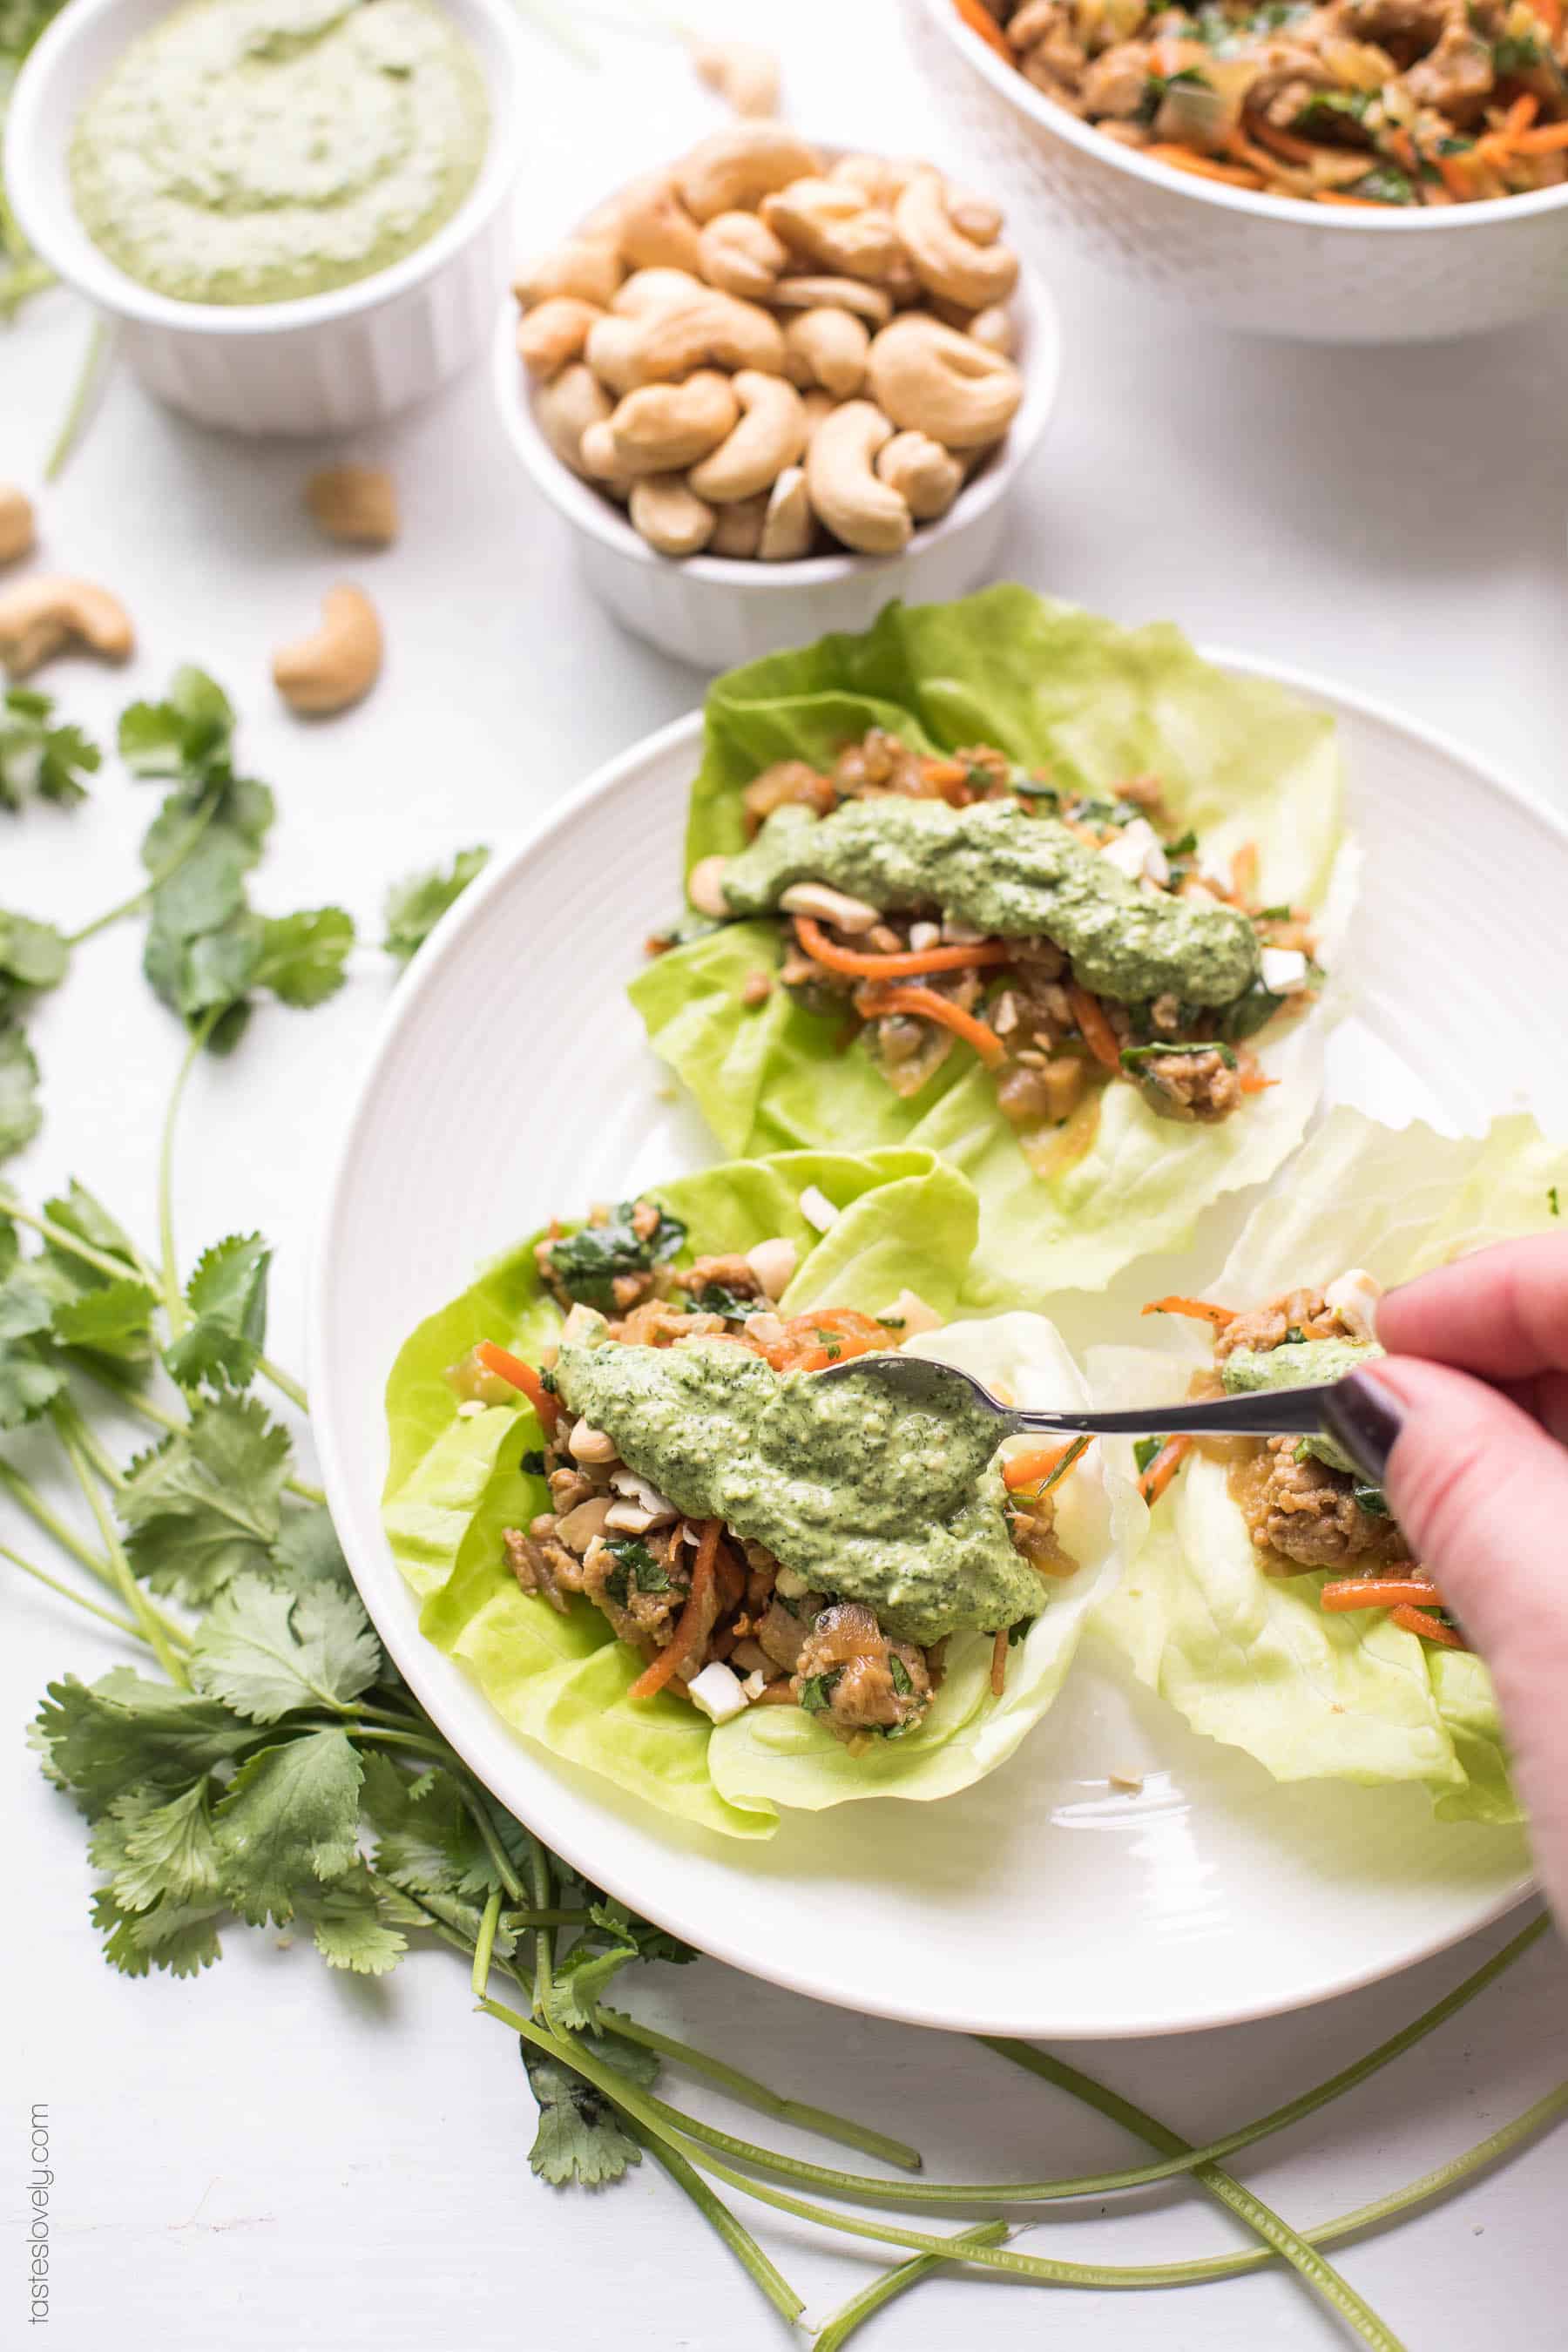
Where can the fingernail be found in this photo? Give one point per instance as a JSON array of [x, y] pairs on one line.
[[1366, 1418]]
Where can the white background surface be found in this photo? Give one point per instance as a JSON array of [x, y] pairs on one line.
[[273, 2156]]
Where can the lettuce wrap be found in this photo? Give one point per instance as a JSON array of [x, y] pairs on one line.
[[1251, 1658], [456, 1481], [1239, 762]]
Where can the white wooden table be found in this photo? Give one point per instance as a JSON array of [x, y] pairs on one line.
[[272, 2157]]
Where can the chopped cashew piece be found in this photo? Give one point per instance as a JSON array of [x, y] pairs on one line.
[[817, 1208], [587, 1443], [1283, 971], [45, 612], [671, 517], [1353, 1297], [858, 507], [356, 504], [338, 663], [18, 528], [703, 888], [745, 75], [910, 1313], [830, 905], [773, 1264], [716, 1691]]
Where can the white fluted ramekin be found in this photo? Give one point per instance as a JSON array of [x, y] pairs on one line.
[[327, 362], [1317, 273], [714, 611]]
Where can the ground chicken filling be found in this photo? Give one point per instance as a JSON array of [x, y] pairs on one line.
[[611, 1539], [1301, 1512], [1378, 102], [1051, 1045]]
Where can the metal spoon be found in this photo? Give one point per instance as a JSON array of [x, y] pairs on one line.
[[1262, 1413]]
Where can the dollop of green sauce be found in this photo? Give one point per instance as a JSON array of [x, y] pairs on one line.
[[867, 1496], [257, 151], [1008, 873], [1299, 1364]]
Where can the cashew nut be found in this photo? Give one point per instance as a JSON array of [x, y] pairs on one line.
[[881, 179], [733, 170], [827, 346], [994, 328], [975, 218], [663, 427], [337, 663], [589, 267], [770, 435], [566, 406], [829, 906], [44, 613], [830, 223], [740, 254], [872, 303], [739, 529], [671, 341], [859, 508], [817, 404], [356, 504], [654, 290], [656, 231], [672, 519], [744, 75], [926, 477], [601, 460], [555, 333], [18, 530], [789, 525], [930, 379], [946, 261]]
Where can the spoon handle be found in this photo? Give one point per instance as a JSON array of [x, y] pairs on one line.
[[1263, 1413]]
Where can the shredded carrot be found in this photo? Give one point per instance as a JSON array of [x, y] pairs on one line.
[[950, 778], [1097, 1031], [1402, 147], [902, 964], [1242, 148], [1431, 1629], [1244, 870], [1521, 114], [1550, 15], [522, 1376], [980, 20], [1204, 1309], [688, 1632], [927, 1005], [1163, 1468], [1334, 196], [1377, 1592], [809, 1343], [999, 1661], [1041, 1464], [1286, 143], [1203, 167], [1544, 141], [1250, 1077]]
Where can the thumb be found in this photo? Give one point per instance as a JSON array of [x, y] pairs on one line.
[[1481, 1493]]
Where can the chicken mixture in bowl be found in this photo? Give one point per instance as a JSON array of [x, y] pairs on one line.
[[1305, 1504], [1067, 940], [1375, 103], [759, 1538]]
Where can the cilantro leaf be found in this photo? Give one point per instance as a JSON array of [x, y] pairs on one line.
[[28, 1380], [308, 1552], [206, 1505], [37, 761], [415, 905], [81, 1213], [301, 957], [158, 1850], [123, 1730], [580, 2136], [264, 1652], [587, 1263], [191, 728], [649, 1942], [226, 1295], [350, 1929], [112, 1319], [21, 1115], [32, 957], [290, 1822], [582, 1979], [426, 1842]]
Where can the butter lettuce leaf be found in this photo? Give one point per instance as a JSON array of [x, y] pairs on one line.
[[1056, 688], [454, 1483], [1251, 1659]]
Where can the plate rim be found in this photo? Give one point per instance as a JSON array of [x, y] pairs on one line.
[[414, 1658]]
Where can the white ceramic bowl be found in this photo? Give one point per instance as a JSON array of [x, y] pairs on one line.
[[1319, 273], [322, 364], [715, 611]]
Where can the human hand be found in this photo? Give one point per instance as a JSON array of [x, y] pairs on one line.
[[1466, 1425]]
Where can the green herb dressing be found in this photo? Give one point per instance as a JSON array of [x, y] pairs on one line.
[[1299, 1364], [257, 151], [867, 1497], [1008, 873]]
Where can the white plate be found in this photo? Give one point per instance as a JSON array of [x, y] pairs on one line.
[[511, 1081]]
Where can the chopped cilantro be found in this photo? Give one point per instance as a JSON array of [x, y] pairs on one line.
[[1244, 1015], [1136, 1058], [1144, 1452], [586, 1264], [532, 1462], [1516, 53], [816, 1691], [1294, 1335], [1016, 1633], [1184, 845], [902, 1683], [1552, 1201], [646, 1573], [415, 905], [718, 1298], [1372, 1500], [1274, 915], [891, 1322], [1384, 186]]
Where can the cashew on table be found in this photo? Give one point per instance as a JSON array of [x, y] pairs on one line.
[[338, 662], [42, 615], [761, 351]]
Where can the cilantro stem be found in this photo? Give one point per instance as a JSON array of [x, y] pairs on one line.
[[158, 1416], [501, 1861], [157, 875], [752, 2094], [109, 1616], [174, 1299], [26, 1494], [89, 375], [725, 2225], [286, 1385], [543, 1884], [67, 1428], [836, 2332], [115, 1268], [484, 1943], [98, 1453]]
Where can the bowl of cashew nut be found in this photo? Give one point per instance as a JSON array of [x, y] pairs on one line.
[[774, 385]]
